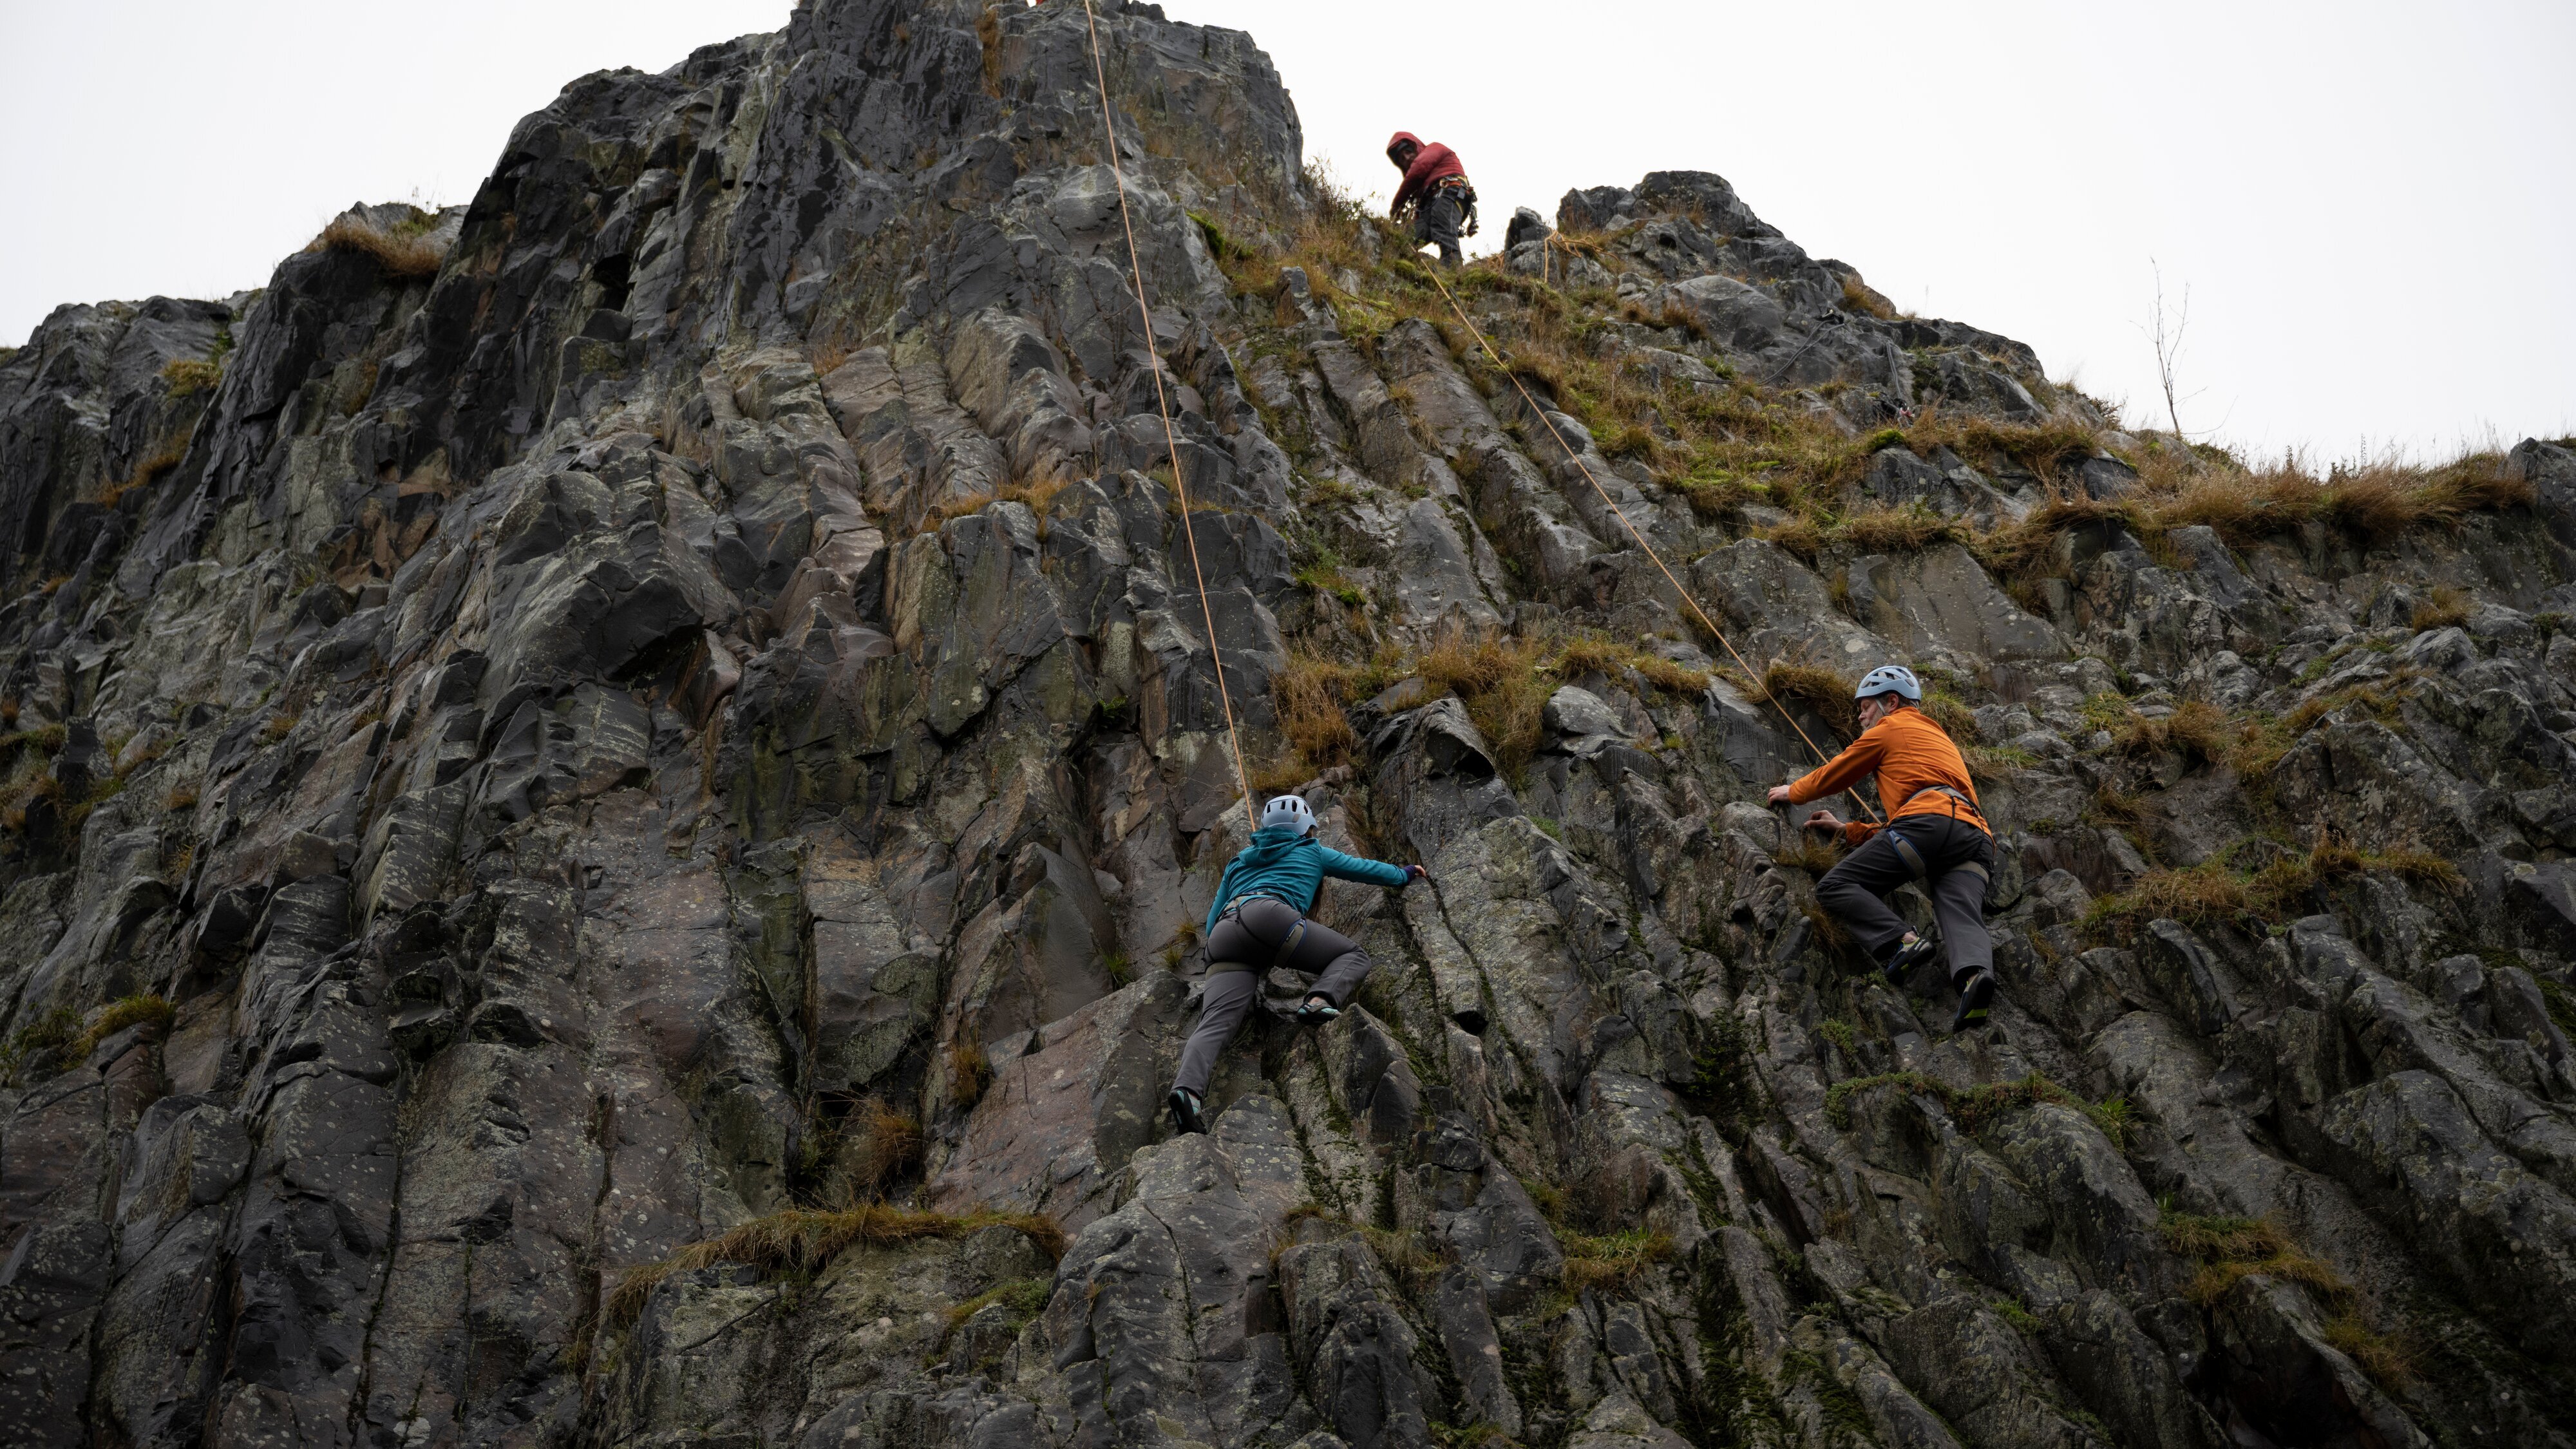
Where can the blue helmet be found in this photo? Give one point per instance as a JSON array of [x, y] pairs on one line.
[[1291, 811], [1890, 679]]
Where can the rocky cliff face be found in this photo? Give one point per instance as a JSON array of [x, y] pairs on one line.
[[609, 793]]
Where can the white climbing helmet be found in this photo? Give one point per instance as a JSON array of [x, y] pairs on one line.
[[1291, 811], [1889, 679]]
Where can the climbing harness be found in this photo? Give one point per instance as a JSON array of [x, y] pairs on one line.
[[1286, 948], [1622, 514], [1162, 404]]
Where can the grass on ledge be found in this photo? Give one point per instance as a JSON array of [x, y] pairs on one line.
[[1504, 680], [1974, 1107], [2232, 1249], [2210, 894], [400, 250], [1719, 447], [1612, 1260], [803, 1240]]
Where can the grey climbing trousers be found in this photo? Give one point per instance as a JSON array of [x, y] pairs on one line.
[[1855, 890], [1258, 935], [1436, 219]]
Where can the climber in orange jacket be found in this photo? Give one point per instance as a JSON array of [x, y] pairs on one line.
[[1935, 835], [1435, 190]]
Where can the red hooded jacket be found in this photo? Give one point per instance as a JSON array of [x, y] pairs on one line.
[[1429, 164]]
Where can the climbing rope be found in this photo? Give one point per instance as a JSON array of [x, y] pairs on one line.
[[1622, 514], [1162, 404], [1171, 443]]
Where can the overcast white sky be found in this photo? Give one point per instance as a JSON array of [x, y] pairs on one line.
[[2373, 205]]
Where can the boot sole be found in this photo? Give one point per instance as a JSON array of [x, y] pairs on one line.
[[1975, 1004], [1907, 958]]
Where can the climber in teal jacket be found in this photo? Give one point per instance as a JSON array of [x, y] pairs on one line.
[[1258, 921]]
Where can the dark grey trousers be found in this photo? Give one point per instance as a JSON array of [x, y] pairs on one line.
[[1436, 219], [1855, 891], [1257, 934]]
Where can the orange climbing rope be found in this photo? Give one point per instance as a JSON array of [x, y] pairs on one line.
[[1613, 504], [1171, 442]]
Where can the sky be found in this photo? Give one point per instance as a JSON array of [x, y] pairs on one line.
[[2370, 207]]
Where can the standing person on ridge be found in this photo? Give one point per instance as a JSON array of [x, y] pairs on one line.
[[1435, 189], [1935, 834], [1258, 921]]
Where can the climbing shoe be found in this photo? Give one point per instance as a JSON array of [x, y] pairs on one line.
[[1316, 1010], [1184, 1105], [1900, 963], [1974, 998]]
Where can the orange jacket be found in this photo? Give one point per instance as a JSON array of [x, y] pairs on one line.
[[1908, 752]]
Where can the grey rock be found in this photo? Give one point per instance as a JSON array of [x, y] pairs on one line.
[[696, 702]]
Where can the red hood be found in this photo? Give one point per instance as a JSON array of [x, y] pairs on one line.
[[1398, 139]]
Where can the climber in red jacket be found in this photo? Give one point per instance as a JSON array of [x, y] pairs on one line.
[[1435, 190]]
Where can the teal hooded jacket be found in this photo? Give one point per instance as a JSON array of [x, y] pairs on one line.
[[1289, 865]]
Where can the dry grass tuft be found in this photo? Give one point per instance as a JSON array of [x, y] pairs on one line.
[[403, 256], [40, 1042], [1035, 493], [1613, 1260], [145, 473], [1811, 851], [1910, 529], [1585, 654], [2197, 730], [1952, 715], [1828, 693], [803, 1240], [2232, 1249], [2389, 1358], [188, 375], [1859, 297], [2377, 502], [1498, 678], [116, 1016], [2445, 607], [1310, 695], [1023, 1298], [2210, 894], [884, 1144], [1974, 1107], [2222, 1239], [56, 1040], [1670, 677], [969, 1071]]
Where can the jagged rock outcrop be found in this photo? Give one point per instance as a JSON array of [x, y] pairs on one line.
[[561, 749]]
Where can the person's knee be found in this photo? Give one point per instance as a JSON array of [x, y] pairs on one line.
[[1838, 892]]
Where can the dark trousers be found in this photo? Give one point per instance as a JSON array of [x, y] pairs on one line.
[[1257, 934], [1436, 219], [1855, 891]]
